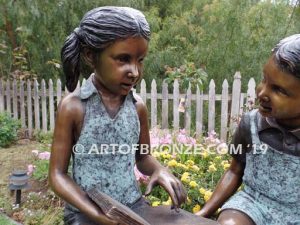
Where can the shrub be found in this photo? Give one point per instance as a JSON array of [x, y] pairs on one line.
[[8, 129]]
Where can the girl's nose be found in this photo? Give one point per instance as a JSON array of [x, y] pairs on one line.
[[134, 72]]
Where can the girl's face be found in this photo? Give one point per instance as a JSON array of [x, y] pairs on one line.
[[279, 95], [119, 66]]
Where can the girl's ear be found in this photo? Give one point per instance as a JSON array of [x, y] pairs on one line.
[[88, 56]]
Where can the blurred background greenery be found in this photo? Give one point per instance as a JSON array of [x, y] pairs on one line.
[[219, 36]]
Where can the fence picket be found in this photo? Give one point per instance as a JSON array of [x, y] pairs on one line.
[[153, 104], [51, 105], [199, 112], [251, 93], [1, 96], [36, 105], [176, 97], [22, 104], [58, 91], [211, 106], [143, 91], [29, 108], [15, 100], [44, 106], [188, 110], [224, 111], [165, 106], [235, 101], [8, 97]]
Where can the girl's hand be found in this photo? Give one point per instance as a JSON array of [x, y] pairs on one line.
[[170, 183]]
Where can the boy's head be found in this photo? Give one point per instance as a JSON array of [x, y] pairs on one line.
[[279, 91], [287, 54]]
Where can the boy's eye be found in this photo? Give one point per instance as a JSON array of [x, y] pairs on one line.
[[280, 90]]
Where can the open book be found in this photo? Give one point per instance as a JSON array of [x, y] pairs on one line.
[[114, 209]]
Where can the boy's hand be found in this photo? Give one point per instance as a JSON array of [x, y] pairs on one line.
[[170, 183]]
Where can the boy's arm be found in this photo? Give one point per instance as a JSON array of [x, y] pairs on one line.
[[148, 165], [68, 117], [226, 187], [232, 178]]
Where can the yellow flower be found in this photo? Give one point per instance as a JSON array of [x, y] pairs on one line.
[[202, 191], [166, 155], [218, 157], [195, 168], [226, 166], [180, 165], [156, 154], [168, 202], [185, 177], [196, 208], [190, 162], [172, 163], [193, 184], [212, 168], [188, 200], [155, 203], [205, 154], [207, 195]]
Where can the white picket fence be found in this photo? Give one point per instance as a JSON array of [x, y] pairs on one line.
[[35, 105]]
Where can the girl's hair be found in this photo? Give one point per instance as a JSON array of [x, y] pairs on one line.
[[287, 54], [99, 28]]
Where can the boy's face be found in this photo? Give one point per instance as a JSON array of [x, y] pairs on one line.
[[120, 65], [279, 95]]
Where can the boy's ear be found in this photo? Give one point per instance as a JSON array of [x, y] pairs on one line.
[[88, 57]]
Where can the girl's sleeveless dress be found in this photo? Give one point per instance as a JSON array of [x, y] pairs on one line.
[[104, 157]]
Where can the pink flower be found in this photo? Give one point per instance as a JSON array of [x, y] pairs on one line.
[[140, 177], [30, 169], [166, 139], [44, 155], [35, 152]]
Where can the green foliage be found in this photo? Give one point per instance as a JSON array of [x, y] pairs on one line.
[[8, 129], [220, 36], [41, 170], [44, 137], [186, 75], [4, 220]]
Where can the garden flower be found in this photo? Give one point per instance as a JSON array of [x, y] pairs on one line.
[[44, 155], [207, 195], [226, 166], [190, 162], [202, 191], [195, 168], [185, 177], [30, 169], [172, 163], [155, 203], [196, 208], [167, 139], [193, 184], [156, 154], [188, 200], [168, 202], [35, 152], [212, 168], [154, 141]]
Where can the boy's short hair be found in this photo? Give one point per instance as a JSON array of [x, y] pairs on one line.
[[287, 54]]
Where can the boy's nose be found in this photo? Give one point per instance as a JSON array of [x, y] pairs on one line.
[[262, 94]]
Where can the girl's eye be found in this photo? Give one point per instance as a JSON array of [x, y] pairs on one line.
[[124, 58], [141, 60]]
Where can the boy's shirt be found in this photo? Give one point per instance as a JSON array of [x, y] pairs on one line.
[[270, 133]]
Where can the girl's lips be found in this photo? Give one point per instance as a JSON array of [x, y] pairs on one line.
[[127, 86]]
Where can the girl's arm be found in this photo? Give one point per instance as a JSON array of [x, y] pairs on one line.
[[226, 187], [68, 122], [148, 165]]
